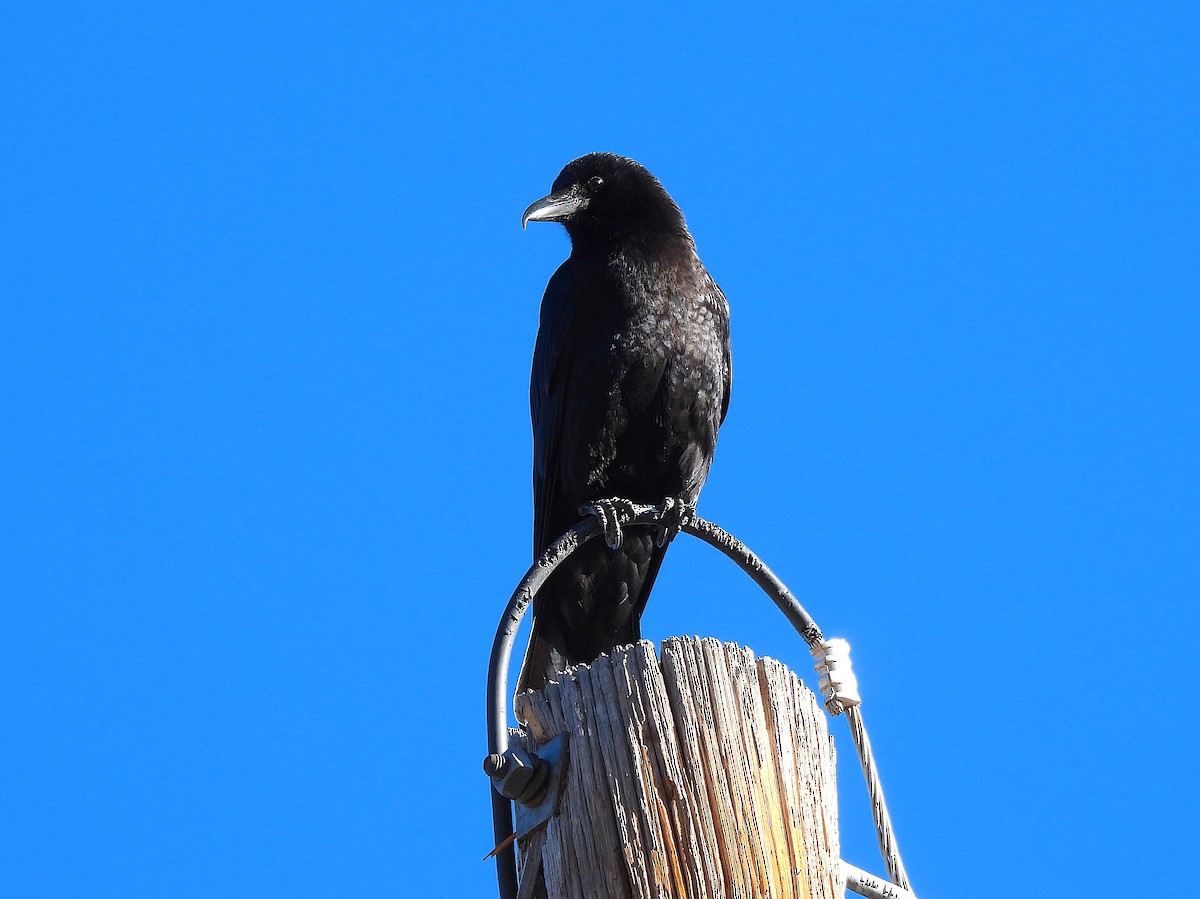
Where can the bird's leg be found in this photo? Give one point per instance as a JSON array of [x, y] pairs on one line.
[[676, 512], [610, 512]]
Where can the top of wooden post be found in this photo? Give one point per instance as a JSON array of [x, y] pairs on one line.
[[709, 773]]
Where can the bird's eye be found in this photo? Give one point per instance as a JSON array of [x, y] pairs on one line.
[[595, 183]]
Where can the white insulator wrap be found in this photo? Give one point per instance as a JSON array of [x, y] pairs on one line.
[[836, 680]]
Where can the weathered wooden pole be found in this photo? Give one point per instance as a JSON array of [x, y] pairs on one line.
[[708, 773]]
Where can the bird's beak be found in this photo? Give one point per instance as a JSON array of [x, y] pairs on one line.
[[556, 207]]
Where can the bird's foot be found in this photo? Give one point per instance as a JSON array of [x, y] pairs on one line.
[[610, 513], [675, 514]]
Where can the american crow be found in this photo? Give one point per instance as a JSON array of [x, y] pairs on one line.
[[631, 378]]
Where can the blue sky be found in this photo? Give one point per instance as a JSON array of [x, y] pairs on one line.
[[266, 315]]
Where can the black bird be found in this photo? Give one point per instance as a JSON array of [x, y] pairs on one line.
[[631, 378]]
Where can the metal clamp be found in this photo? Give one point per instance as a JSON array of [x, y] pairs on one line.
[[532, 780]]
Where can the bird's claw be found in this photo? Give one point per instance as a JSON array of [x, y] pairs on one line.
[[675, 514], [610, 512]]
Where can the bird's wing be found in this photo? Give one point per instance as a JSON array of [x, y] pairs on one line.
[[547, 395], [727, 353]]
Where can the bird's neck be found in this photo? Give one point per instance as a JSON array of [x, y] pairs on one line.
[[626, 247], [632, 279]]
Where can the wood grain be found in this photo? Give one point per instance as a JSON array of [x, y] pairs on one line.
[[708, 774]]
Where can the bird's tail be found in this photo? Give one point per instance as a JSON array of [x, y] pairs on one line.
[[542, 662]]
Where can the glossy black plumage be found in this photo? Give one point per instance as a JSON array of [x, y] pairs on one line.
[[630, 383]]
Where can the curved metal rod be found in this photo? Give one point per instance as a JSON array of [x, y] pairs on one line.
[[760, 574], [522, 597], [497, 686]]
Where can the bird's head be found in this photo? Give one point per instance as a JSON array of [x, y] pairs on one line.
[[602, 196]]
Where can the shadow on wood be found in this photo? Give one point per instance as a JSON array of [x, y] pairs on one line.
[[707, 774]]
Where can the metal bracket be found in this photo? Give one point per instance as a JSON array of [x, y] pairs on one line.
[[529, 818]]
